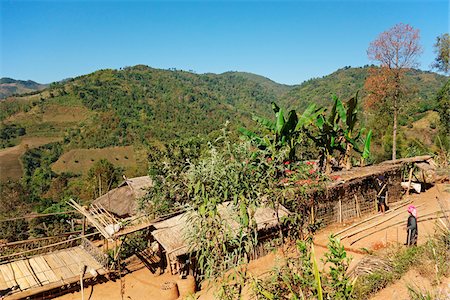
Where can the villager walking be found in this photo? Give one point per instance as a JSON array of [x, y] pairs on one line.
[[381, 188], [411, 227]]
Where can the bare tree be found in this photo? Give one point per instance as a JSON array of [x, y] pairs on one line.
[[397, 50]]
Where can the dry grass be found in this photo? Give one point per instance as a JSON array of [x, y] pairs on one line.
[[51, 113], [64, 114], [10, 164], [79, 161]]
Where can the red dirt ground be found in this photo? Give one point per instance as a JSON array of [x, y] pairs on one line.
[[142, 284]]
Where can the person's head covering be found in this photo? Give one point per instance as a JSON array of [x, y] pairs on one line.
[[412, 210], [380, 177]]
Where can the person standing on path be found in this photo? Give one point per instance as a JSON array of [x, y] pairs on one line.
[[381, 188], [411, 227]]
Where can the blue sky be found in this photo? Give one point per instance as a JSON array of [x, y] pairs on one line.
[[287, 41]]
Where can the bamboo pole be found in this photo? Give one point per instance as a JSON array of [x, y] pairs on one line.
[[372, 217], [38, 216], [374, 225], [83, 226], [409, 181], [400, 222], [83, 270], [48, 246], [16, 243]]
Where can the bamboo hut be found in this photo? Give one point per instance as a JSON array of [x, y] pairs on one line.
[[171, 234], [122, 201]]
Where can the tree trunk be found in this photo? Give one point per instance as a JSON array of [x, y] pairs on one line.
[[347, 159], [395, 99], [394, 135]]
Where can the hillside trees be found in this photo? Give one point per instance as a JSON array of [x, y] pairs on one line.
[[13, 203], [442, 50], [443, 98], [397, 50], [102, 176]]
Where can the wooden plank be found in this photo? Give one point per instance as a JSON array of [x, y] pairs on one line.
[[69, 262], [54, 266], [90, 261], [39, 271], [8, 275], [3, 284], [64, 269], [27, 273], [46, 269], [45, 288], [20, 278]]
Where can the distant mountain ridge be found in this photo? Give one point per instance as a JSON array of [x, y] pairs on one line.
[[9, 87]]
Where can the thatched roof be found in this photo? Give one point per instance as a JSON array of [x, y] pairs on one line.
[[122, 201], [172, 233], [358, 173]]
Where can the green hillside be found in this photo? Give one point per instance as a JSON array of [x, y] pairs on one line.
[[346, 81]]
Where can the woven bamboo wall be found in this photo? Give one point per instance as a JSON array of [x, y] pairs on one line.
[[341, 198]]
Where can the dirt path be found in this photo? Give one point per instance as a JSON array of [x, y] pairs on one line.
[[399, 289], [143, 284]]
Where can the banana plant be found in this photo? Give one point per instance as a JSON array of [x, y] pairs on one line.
[[283, 132], [337, 134]]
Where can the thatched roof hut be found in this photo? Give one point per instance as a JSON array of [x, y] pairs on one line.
[[122, 201], [172, 233]]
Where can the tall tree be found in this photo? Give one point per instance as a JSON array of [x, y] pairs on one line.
[[442, 50], [397, 50], [102, 176]]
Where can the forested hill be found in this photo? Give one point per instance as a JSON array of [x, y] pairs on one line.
[[141, 104], [347, 81], [145, 105], [9, 86]]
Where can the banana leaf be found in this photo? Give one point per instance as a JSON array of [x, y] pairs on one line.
[[308, 116], [266, 123], [366, 151], [275, 107], [320, 122], [251, 135], [341, 110], [291, 123], [279, 121], [352, 112], [332, 116]]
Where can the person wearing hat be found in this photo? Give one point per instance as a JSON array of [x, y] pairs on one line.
[[381, 188], [411, 227]]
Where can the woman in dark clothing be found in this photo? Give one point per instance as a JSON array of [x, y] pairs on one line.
[[411, 227], [381, 188]]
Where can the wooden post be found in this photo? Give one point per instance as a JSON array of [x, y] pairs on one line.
[[358, 209], [424, 181], [82, 270], [340, 211], [387, 197], [312, 214], [409, 181], [83, 226], [397, 235], [169, 263]]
